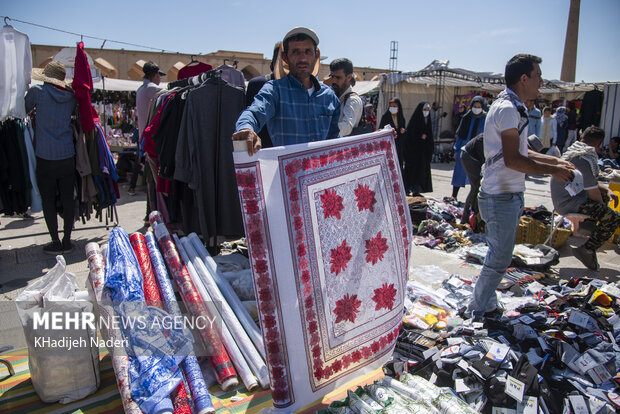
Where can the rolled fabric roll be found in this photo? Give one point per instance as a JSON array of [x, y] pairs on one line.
[[250, 353], [230, 343], [152, 297], [120, 361], [222, 366], [230, 295], [154, 372], [191, 368]]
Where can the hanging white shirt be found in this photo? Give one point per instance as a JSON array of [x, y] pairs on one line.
[[15, 71]]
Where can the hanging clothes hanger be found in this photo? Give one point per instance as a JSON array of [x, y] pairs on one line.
[[6, 23], [193, 61]]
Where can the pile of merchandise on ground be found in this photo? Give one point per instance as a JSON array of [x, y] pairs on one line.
[[553, 349], [436, 225]]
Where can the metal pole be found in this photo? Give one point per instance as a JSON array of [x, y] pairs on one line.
[[104, 121]]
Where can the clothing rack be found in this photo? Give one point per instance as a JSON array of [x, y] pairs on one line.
[[196, 80]]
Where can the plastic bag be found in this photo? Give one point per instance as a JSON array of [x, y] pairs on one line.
[[63, 356], [428, 275], [233, 262], [242, 283]]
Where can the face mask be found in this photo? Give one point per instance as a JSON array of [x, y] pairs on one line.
[[393, 110], [425, 113], [476, 111]]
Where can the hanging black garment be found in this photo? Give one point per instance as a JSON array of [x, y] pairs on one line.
[[418, 152], [24, 162], [591, 108], [204, 158], [13, 185], [254, 87], [166, 136]]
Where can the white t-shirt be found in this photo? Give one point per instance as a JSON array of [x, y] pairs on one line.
[[496, 177]]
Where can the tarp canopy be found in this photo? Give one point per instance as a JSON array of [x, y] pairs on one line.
[[113, 84], [487, 81], [610, 117], [122, 85], [364, 87]]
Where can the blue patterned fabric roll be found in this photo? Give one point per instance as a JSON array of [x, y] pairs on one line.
[[193, 375], [154, 355]]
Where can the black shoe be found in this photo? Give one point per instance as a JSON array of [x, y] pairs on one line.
[[53, 248], [587, 257], [67, 246], [494, 314]]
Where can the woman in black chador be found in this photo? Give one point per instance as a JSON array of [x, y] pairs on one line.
[[418, 151], [394, 116]]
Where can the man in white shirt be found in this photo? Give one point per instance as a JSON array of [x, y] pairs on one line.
[[152, 77], [503, 175], [341, 73], [144, 94]]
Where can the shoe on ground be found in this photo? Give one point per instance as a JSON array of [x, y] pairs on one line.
[[53, 248], [67, 246], [131, 192], [587, 257], [497, 313]]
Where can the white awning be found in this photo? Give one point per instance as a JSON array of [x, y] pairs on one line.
[[112, 84], [363, 87]]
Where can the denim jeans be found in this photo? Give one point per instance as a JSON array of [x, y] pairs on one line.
[[501, 213]]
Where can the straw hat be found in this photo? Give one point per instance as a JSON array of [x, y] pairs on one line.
[[54, 73]]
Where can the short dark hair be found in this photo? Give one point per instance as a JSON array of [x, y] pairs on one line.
[[593, 135], [518, 65], [616, 140], [546, 109], [342, 63], [300, 37]]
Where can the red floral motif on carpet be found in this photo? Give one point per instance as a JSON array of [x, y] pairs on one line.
[[347, 308]]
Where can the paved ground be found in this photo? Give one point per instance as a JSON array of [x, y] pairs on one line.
[[22, 260]]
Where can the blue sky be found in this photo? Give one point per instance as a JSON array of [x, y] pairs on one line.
[[478, 35]]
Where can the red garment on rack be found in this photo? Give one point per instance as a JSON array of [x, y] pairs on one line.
[[149, 131], [83, 85], [188, 71]]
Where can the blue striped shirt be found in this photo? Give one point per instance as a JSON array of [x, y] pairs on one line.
[[292, 116]]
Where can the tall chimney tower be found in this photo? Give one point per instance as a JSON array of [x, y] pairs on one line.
[[569, 61]]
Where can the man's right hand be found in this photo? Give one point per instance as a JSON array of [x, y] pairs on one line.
[[252, 139], [563, 173], [567, 164]]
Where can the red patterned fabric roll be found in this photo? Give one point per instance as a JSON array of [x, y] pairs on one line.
[[152, 297], [222, 366], [149, 283]]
